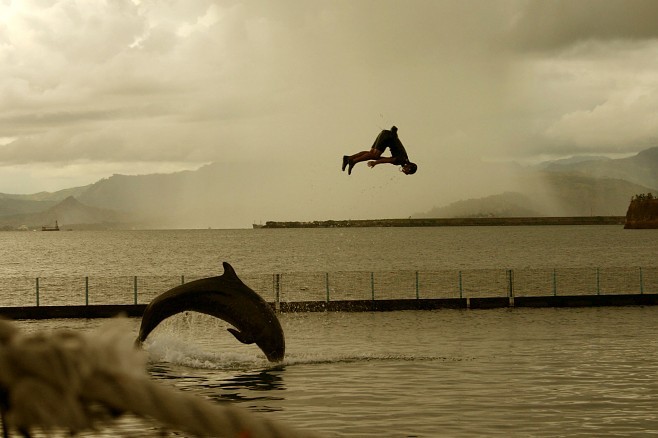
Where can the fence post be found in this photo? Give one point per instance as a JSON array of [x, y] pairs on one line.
[[182, 279], [86, 291], [510, 283], [641, 282], [135, 288], [417, 292], [461, 286], [554, 282], [510, 286], [372, 285], [326, 282], [37, 291], [277, 292]]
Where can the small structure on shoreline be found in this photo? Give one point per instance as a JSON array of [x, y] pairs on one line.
[[642, 212], [49, 228]]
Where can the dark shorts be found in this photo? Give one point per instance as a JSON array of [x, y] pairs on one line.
[[383, 140], [386, 139]]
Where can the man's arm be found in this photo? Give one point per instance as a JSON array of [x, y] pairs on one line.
[[382, 160]]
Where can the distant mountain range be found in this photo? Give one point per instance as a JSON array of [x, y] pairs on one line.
[[217, 193], [582, 186], [641, 169], [70, 212], [556, 194]]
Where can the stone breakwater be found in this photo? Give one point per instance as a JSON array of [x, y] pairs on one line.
[[451, 222]]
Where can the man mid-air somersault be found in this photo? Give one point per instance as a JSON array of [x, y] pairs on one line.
[[385, 139]]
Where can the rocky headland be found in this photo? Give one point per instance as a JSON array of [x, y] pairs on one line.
[[642, 212]]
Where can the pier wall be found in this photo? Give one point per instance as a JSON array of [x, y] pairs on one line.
[[450, 222]]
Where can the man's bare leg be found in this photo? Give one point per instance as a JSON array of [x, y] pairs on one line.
[[372, 154]]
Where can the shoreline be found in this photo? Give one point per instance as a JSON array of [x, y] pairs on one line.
[[448, 222]]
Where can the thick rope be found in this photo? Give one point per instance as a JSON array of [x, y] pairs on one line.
[[64, 380]]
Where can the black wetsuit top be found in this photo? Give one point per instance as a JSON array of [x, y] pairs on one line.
[[389, 139]]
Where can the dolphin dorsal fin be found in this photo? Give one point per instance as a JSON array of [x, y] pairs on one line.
[[229, 271]]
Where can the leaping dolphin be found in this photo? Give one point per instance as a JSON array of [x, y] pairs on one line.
[[225, 297]]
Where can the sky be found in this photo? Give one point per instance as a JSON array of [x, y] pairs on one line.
[[89, 89]]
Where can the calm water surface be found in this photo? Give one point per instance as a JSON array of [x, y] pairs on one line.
[[179, 252], [456, 373], [519, 372]]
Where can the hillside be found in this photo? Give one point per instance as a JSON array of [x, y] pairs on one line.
[[577, 186], [508, 204], [228, 195], [549, 194], [218, 195], [69, 213], [11, 205], [641, 169]]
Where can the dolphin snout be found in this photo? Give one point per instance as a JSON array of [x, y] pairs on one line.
[[274, 349], [275, 356]]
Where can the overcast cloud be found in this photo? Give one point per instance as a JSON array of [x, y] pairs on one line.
[[586, 77], [88, 89]]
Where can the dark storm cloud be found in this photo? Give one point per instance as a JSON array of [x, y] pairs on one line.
[[584, 75], [118, 87], [240, 71], [549, 25]]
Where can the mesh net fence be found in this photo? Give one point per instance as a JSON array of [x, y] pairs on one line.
[[342, 285]]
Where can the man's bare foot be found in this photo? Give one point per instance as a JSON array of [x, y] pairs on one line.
[[350, 167]]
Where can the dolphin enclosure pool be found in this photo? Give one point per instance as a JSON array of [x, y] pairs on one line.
[[504, 372]]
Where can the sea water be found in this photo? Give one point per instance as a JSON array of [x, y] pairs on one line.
[[504, 372], [181, 252]]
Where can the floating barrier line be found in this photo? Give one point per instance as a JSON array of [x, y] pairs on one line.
[[366, 305]]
